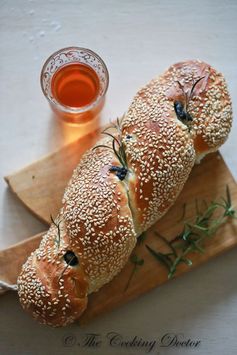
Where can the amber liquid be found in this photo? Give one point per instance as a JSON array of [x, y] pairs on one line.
[[75, 85]]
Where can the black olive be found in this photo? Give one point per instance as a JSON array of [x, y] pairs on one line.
[[70, 258], [179, 110], [120, 171], [181, 113]]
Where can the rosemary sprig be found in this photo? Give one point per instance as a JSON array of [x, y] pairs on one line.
[[141, 238], [57, 240], [117, 145], [136, 261], [192, 91], [182, 110], [189, 96], [193, 234]]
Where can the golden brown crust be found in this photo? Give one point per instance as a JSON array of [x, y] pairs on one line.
[[210, 104], [96, 224], [103, 230], [162, 150], [52, 294], [103, 212], [164, 169]]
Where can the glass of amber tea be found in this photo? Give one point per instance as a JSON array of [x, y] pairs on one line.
[[75, 81]]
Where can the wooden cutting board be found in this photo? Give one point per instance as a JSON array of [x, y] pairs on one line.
[[40, 187]]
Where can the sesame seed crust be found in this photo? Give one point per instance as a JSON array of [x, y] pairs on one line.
[[103, 214], [97, 216], [210, 105]]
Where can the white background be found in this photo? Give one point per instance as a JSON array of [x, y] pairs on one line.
[[137, 40]]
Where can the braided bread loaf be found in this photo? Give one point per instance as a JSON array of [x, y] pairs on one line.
[[122, 186]]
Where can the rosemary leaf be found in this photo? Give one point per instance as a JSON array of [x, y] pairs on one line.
[[141, 238], [117, 144], [228, 196], [194, 234], [186, 261], [197, 248], [186, 233], [194, 85], [116, 153], [101, 146], [58, 228], [112, 136], [136, 261], [164, 259], [167, 243]]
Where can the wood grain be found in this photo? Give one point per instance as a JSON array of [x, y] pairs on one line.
[[40, 185], [207, 181], [12, 258], [42, 196]]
